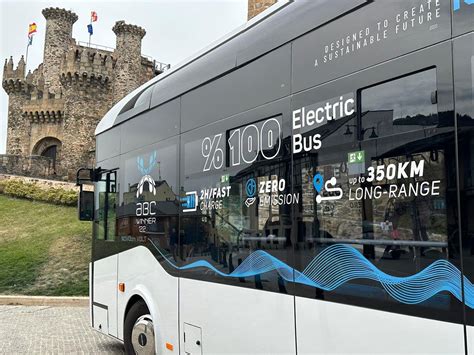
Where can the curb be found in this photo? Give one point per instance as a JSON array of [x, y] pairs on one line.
[[17, 300]]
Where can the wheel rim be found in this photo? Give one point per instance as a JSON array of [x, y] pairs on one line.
[[143, 336]]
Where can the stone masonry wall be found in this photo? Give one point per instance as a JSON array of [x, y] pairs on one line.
[[18, 137], [45, 183], [26, 166], [58, 34], [128, 53], [84, 105], [257, 6]]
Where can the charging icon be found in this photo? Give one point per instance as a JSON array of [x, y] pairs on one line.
[[190, 201]]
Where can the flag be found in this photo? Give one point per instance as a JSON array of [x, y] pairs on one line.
[[31, 29], [90, 29], [93, 16]]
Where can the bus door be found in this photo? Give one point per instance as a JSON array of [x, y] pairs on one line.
[[104, 268], [378, 261], [235, 246]]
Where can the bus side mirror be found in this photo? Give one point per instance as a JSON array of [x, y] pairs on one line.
[[86, 205]]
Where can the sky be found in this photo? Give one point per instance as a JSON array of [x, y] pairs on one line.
[[175, 29]]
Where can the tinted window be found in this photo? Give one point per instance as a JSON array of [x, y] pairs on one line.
[[252, 85], [151, 126], [463, 13], [375, 224], [144, 98], [236, 201], [399, 106], [148, 209], [105, 206], [108, 144]]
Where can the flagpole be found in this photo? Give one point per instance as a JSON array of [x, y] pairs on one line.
[[90, 33], [26, 56]]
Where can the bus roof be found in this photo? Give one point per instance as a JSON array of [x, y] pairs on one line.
[[271, 29]]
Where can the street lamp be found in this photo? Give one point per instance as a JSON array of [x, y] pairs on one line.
[[348, 131]]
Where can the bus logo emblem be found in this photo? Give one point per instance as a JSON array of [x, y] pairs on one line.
[[146, 171]]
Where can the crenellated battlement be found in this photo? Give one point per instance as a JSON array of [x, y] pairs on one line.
[[10, 73], [44, 110], [48, 116], [14, 80], [85, 80], [121, 27], [87, 67], [63, 15], [16, 86]]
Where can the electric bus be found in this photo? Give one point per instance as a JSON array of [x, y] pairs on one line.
[[304, 186]]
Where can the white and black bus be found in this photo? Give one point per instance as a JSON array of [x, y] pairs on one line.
[[305, 186]]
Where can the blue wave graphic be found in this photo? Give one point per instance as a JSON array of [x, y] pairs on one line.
[[339, 264]]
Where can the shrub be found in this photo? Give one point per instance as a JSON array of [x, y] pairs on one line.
[[28, 190]]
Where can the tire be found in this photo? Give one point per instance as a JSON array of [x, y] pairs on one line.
[[138, 330]]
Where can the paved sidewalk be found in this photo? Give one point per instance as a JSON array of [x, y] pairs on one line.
[[19, 300], [51, 330]]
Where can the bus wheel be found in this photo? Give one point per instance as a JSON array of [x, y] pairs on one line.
[[139, 334]]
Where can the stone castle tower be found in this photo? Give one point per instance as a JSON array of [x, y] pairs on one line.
[[53, 111], [257, 6]]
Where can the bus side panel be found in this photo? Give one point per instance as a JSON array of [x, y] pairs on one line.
[[105, 293], [326, 327], [262, 81], [143, 275], [236, 319], [380, 31]]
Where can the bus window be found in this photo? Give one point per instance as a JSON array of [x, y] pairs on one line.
[[236, 199], [399, 106], [148, 211], [386, 204], [105, 216]]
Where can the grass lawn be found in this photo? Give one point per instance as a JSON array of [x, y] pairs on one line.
[[44, 249]]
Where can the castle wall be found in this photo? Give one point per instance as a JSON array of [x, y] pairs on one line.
[[18, 137], [35, 165], [45, 117], [45, 184], [85, 105]]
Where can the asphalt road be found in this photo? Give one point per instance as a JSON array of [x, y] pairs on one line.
[[51, 330]]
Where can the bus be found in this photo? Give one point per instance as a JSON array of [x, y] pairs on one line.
[[304, 186]]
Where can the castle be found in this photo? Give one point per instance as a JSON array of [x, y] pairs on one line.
[[53, 111]]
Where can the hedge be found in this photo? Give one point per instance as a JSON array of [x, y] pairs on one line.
[[29, 190]]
